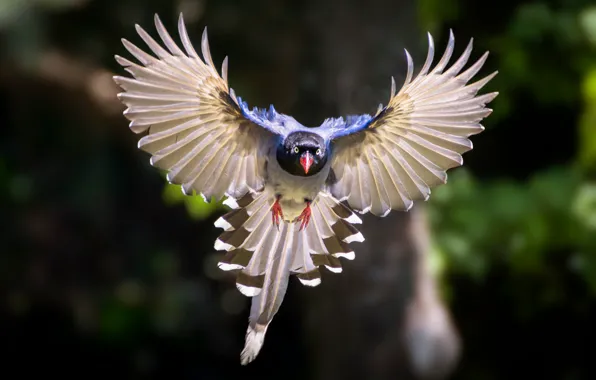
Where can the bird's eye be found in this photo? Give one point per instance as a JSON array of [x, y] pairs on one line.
[[318, 152], [296, 150]]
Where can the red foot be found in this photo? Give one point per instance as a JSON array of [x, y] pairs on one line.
[[305, 216], [276, 212]]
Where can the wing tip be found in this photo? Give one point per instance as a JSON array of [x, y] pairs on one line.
[[117, 79], [134, 126], [140, 29], [408, 55]]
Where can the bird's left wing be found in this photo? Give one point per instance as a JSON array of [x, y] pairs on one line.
[[386, 161], [199, 132]]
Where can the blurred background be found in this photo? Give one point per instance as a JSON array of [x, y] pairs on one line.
[[107, 270]]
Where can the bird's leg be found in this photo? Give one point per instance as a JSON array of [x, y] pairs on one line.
[[276, 212], [305, 216]]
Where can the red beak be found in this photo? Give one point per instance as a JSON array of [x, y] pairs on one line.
[[306, 161]]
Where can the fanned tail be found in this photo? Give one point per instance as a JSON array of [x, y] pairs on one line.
[[264, 254]]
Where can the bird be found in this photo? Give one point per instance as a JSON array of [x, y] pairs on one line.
[[294, 191]]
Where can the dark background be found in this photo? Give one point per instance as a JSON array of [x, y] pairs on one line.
[[107, 271]]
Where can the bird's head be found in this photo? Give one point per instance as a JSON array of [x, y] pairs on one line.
[[302, 153]]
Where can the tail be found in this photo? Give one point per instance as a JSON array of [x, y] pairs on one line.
[[264, 255]]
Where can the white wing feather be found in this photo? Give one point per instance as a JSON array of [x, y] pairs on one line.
[[196, 130], [410, 144]]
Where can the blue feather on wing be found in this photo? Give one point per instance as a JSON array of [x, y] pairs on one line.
[[269, 119], [338, 127], [278, 123]]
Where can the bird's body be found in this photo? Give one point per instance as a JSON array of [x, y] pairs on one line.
[[286, 178], [285, 182], [294, 191]]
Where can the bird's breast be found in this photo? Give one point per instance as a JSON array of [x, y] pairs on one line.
[[294, 190]]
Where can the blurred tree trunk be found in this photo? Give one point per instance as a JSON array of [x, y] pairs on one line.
[[381, 318]]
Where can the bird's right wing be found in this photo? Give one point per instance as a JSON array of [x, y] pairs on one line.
[[199, 132]]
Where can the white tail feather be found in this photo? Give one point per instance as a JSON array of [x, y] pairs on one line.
[[255, 337], [266, 255]]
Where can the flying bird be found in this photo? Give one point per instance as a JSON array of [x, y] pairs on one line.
[[292, 188]]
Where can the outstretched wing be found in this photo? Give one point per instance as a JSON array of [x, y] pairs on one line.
[[199, 132], [386, 161]]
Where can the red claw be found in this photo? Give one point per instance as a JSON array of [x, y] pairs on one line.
[[276, 212], [305, 216]]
